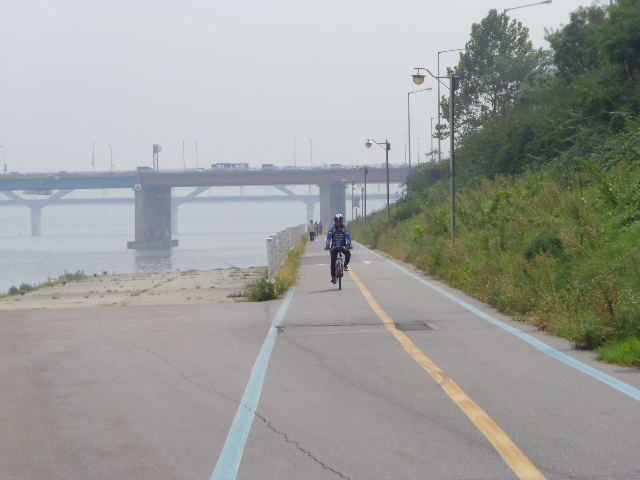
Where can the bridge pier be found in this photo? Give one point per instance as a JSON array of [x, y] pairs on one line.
[[153, 218], [174, 219], [332, 200], [310, 210], [36, 222]]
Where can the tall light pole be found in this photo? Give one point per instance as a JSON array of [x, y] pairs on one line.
[[364, 199], [387, 147], [111, 146], [409, 118], [530, 5], [4, 162], [353, 183], [93, 157], [418, 79], [196, 155], [432, 119], [442, 51]]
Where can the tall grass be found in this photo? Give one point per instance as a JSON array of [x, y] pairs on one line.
[[26, 287], [558, 247]]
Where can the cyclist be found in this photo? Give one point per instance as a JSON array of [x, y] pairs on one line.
[[338, 239]]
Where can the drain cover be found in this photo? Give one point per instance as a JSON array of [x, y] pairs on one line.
[[411, 326]]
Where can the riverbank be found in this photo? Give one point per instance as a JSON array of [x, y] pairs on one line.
[[162, 288]]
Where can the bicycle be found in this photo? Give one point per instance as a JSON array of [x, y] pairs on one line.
[[339, 268]]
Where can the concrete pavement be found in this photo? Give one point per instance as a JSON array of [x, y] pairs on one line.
[[152, 391]]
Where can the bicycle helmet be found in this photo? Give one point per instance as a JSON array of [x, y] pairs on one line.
[[338, 218]]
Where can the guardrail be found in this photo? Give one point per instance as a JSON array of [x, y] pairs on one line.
[[279, 244]]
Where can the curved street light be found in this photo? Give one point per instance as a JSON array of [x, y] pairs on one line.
[[530, 5], [387, 146]]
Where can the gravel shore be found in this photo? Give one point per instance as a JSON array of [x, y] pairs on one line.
[[165, 288]]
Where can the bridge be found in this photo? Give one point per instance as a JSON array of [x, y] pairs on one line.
[[156, 209]]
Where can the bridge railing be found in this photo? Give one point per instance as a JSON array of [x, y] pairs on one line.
[[279, 244]]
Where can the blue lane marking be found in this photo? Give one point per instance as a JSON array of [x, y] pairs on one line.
[[632, 391], [229, 460]]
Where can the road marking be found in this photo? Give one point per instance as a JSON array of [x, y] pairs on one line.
[[619, 385], [508, 450], [227, 466]]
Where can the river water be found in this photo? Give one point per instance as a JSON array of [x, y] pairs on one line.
[[26, 259]]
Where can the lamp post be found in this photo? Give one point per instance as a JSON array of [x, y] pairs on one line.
[[432, 119], [364, 198], [387, 147], [418, 79], [353, 183], [530, 5], [364, 190], [184, 164], [111, 147], [4, 163], [443, 51], [409, 119], [196, 155]]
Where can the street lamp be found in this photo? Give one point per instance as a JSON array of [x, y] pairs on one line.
[[111, 146], [196, 155], [530, 5], [418, 79], [414, 79], [4, 163], [409, 119], [364, 188], [432, 119], [353, 186], [387, 147]]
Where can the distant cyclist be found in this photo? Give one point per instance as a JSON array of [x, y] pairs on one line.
[[338, 239]]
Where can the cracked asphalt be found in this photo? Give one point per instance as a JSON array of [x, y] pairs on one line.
[[151, 391]]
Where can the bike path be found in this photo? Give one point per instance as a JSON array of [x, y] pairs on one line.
[[343, 398]]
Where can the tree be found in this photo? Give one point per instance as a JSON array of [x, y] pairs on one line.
[[497, 60], [575, 46]]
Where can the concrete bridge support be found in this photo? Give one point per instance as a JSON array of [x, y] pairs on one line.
[[36, 222], [310, 212], [332, 200], [174, 219], [153, 218]]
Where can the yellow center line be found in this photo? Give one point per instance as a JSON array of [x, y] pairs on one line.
[[508, 450]]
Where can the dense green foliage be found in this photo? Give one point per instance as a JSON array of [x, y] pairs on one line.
[[548, 199], [591, 90]]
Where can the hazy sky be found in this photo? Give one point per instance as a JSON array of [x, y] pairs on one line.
[[246, 80]]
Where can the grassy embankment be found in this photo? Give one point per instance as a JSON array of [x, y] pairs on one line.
[[558, 248], [286, 275], [26, 287]]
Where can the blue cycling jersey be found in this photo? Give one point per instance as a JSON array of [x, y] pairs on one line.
[[338, 236]]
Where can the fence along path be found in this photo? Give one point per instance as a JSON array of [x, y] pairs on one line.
[[279, 244]]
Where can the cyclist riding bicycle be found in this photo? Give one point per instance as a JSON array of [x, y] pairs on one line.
[[338, 240]]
